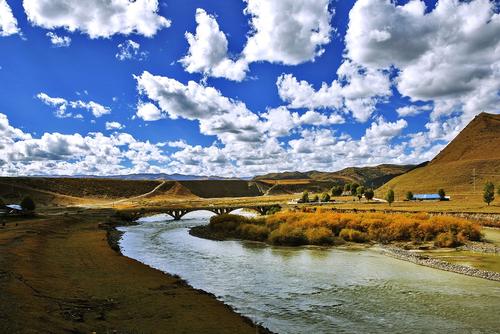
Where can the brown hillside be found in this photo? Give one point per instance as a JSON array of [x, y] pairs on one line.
[[373, 176], [475, 151], [479, 140]]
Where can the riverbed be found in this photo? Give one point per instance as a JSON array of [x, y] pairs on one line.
[[317, 290]]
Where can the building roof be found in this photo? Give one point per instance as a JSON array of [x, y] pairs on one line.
[[426, 196]]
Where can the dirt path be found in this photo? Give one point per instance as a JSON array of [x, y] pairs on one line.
[[59, 275]]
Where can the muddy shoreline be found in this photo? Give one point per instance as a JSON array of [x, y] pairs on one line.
[[59, 274], [114, 236]]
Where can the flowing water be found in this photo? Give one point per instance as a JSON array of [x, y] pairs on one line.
[[317, 290]]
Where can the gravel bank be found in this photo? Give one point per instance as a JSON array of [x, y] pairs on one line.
[[424, 260]]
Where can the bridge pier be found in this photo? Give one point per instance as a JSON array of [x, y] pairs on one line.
[[177, 214], [222, 211]]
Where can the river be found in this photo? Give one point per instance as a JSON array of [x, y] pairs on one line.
[[317, 290]]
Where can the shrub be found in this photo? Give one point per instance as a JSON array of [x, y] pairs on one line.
[[489, 193], [253, 232], [360, 192], [354, 188], [325, 197], [409, 196], [319, 236], [390, 196], [315, 198], [446, 239], [369, 194], [353, 235], [305, 197], [2, 203], [27, 204], [336, 191], [442, 194], [287, 235]]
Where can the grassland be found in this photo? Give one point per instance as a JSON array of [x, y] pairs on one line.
[[59, 275]]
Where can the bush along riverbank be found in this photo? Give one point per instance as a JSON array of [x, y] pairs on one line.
[[331, 228]]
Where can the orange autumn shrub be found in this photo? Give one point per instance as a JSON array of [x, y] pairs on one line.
[[324, 227]]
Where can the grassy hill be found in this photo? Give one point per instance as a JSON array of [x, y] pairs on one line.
[[370, 176], [475, 151]]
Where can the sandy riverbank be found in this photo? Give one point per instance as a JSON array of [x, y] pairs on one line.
[[58, 274]]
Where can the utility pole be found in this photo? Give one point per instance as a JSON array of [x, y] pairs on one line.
[[474, 179]]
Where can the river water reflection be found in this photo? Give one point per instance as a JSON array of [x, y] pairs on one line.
[[317, 290]]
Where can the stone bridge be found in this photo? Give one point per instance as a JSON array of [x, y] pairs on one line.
[[178, 212]]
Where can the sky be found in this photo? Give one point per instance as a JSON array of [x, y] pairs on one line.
[[239, 88]]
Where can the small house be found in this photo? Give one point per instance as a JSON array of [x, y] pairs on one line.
[[429, 197]]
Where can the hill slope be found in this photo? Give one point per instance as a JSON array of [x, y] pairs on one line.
[[371, 176], [475, 151]]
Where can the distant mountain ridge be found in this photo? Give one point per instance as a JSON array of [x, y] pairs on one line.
[[145, 176], [373, 176]]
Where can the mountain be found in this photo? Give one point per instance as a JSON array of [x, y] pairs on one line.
[[370, 176], [474, 155]]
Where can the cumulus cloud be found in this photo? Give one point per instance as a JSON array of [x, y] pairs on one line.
[[149, 112], [68, 154], [129, 50], [357, 91], [288, 32], [97, 18], [114, 126], [59, 41], [449, 55], [412, 110], [8, 23], [62, 105], [208, 51]]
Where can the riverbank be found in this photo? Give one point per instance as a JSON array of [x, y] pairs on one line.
[[58, 274], [429, 261]]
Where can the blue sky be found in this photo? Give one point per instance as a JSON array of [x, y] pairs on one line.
[[259, 86]]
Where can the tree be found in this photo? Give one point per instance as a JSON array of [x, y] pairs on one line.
[[359, 192], [325, 197], [315, 198], [409, 196], [347, 187], [336, 191], [369, 194], [305, 197], [354, 187], [27, 204], [390, 196], [441, 194], [489, 193]]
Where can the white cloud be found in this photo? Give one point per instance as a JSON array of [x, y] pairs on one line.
[[412, 110], [149, 112], [97, 18], [208, 51], [449, 55], [8, 23], [357, 91], [288, 31], [129, 50], [59, 41], [114, 126], [63, 154], [62, 106]]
